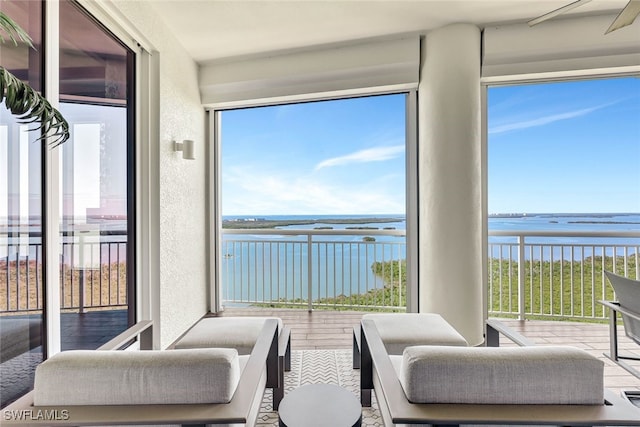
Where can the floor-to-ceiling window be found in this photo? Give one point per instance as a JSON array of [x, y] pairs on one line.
[[21, 251], [326, 183], [96, 98], [563, 194]]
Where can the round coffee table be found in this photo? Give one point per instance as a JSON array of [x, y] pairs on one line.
[[320, 405]]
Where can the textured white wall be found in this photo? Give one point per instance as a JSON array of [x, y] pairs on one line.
[[182, 291], [450, 198]]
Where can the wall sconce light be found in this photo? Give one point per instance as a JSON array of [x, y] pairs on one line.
[[187, 148]]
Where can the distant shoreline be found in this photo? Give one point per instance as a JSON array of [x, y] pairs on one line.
[[247, 223], [273, 223], [561, 214], [603, 222]]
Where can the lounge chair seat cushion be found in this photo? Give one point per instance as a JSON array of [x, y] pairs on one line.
[[401, 330], [507, 375], [86, 377], [240, 333]]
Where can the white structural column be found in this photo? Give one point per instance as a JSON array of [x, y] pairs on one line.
[[450, 187]]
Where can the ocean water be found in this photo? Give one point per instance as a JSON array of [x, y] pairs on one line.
[[243, 264], [567, 222]]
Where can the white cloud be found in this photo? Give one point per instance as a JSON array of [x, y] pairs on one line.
[[541, 121], [254, 194], [377, 154]]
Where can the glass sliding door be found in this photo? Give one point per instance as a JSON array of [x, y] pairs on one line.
[[21, 219], [96, 75], [97, 182]]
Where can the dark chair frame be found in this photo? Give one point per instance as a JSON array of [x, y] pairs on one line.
[[614, 352]]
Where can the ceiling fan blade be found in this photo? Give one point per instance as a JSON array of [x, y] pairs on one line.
[[557, 12], [626, 16]]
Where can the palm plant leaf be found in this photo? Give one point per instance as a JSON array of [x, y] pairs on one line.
[[25, 103], [14, 31]]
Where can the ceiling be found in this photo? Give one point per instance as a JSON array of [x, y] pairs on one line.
[[219, 29]]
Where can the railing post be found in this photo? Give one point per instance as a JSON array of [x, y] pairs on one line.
[[521, 278], [81, 283], [81, 274], [309, 273]]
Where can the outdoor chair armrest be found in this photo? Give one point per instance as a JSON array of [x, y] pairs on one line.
[[614, 352], [284, 346], [495, 327], [284, 364], [143, 330], [615, 306]]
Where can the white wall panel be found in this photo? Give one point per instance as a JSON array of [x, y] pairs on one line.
[[559, 48], [384, 65]]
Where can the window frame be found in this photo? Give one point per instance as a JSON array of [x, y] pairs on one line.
[[514, 80], [214, 181], [144, 113]]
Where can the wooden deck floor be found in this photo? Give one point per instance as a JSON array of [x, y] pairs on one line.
[[329, 330]]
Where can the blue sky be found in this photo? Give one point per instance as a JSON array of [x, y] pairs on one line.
[[557, 147], [565, 147], [331, 157]]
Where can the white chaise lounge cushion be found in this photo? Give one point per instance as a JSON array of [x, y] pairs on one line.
[[240, 333], [89, 377], [501, 375], [401, 330]]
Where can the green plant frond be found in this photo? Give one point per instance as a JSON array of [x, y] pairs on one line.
[[13, 30], [31, 107], [21, 100]]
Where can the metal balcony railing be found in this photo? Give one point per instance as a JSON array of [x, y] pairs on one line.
[[314, 268], [557, 274], [530, 274], [93, 272]]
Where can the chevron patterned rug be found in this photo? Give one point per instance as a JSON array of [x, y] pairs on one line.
[[320, 367]]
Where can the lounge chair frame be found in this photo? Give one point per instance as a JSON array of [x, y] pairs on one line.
[[242, 409], [284, 361], [362, 359], [614, 352], [396, 410]]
